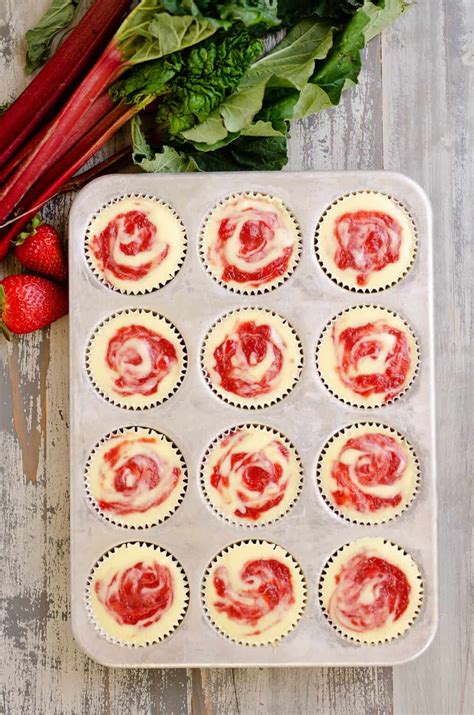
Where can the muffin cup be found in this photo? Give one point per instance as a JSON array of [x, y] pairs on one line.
[[159, 323], [162, 277], [255, 549], [242, 289], [240, 521], [166, 509], [395, 555], [366, 518], [171, 619], [388, 276], [259, 401]]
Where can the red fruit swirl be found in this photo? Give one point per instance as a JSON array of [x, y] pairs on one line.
[[243, 350], [125, 237], [373, 340], [251, 482], [370, 593], [379, 461], [265, 587], [134, 478], [140, 358], [138, 595], [252, 246], [367, 241]]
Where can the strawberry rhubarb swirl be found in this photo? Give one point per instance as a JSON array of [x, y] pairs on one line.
[[366, 467], [138, 595], [252, 357], [264, 592], [139, 358], [136, 244], [136, 477], [367, 241], [384, 345], [251, 475], [250, 242], [370, 593], [129, 247]]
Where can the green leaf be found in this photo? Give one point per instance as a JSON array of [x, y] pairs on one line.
[[240, 108], [246, 154], [148, 33], [251, 12], [38, 40], [292, 61], [210, 131], [262, 129], [340, 10], [167, 159]]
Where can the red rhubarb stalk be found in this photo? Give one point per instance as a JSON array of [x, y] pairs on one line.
[[73, 56], [103, 73], [114, 161], [99, 109], [63, 169]]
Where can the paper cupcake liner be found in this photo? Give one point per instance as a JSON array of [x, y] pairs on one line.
[[353, 519], [236, 400], [346, 284], [133, 291], [235, 520], [158, 638], [360, 403], [332, 566], [116, 401], [302, 585], [116, 520], [295, 259]]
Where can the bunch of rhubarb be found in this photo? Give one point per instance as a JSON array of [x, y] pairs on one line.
[[192, 76]]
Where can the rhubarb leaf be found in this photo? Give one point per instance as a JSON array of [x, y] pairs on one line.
[[167, 159], [251, 13], [148, 34], [340, 10], [38, 40], [246, 154]]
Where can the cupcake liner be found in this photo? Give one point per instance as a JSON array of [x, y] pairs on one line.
[[235, 520], [161, 282], [170, 328], [259, 402], [355, 402], [269, 550], [163, 513], [181, 607], [335, 276], [397, 556], [345, 433], [241, 289]]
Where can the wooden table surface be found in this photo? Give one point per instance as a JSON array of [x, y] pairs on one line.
[[412, 112]]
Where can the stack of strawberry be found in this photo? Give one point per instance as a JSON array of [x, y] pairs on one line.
[[29, 302]]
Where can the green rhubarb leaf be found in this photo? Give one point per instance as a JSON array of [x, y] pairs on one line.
[[210, 131], [246, 154], [148, 34], [262, 129], [166, 159], [240, 108], [38, 40]]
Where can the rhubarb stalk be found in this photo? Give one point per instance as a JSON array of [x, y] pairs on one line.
[[57, 76]]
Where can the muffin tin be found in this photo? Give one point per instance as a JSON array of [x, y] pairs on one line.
[[193, 416]]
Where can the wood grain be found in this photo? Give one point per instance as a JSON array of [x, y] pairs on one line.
[[413, 113]]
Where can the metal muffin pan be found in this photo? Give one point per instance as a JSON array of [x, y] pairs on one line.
[[194, 416]]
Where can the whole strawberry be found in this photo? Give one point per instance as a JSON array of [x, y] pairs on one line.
[[39, 249], [28, 303]]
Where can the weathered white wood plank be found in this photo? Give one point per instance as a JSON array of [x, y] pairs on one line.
[[428, 125]]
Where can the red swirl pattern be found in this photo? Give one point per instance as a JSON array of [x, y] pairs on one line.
[[256, 245], [370, 593], [367, 241], [245, 348], [252, 482], [138, 595], [266, 587], [134, 478], [366, 341], [129, 235], [380, 461], [141, 359]]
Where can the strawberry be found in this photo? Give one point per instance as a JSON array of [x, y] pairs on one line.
[[39, 249], [28, 303]]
